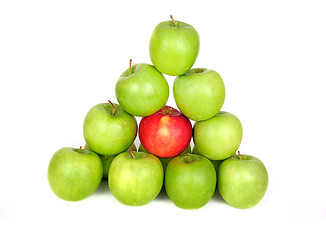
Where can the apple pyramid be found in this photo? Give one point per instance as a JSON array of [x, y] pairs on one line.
[[163, 160]]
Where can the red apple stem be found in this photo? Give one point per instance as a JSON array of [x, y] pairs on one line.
[[130, 62], [175, 24], [113, 109], [239, 155], [187, 157], [132, 155]]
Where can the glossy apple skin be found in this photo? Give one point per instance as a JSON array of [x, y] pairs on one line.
[[190, 185], [165, 161], [219, 137], [166, 133], [109, 134], [135, 181], [173, 50], [216, 163], [74, 174], [242, 183], [143, 92], [199, 93], [107, 160]]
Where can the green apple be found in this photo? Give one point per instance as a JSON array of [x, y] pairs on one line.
[[218, 137], [216, 163], [135, 178], [165, 161], [107, 160], [142, 90], [74, 174], [174, 47], [242, 181], [199, 93], [190, 181], [108, 129]]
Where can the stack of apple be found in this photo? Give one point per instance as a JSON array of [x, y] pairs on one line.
[[164, 157]]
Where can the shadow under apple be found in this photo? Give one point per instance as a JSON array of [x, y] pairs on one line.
[[103, 188]]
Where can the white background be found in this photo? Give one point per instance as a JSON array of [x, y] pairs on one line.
[[60, 58]]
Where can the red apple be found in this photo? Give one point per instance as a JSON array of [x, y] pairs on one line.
[[166, 133]]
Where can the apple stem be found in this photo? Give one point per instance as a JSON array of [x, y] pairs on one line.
[[239, 155], [80, 148], [199, 70], [175, 24], [113, 109], [187, 157], [132, 155], [130, 62]]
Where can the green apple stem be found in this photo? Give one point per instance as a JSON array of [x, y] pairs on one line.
[[199, 70], [80, 148], [175, 24], [130, 62], [187, 157], [113, 109], [239, 155], [132, 155]]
